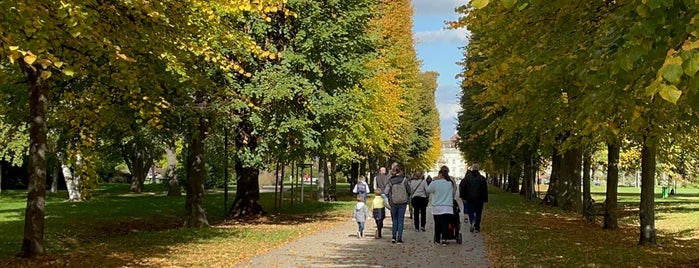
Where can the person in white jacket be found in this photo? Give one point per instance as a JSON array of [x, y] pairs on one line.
[[360, 215]]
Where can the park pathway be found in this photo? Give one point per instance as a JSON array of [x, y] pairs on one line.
[[340, 247]]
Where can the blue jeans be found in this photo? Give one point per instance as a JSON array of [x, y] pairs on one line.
[[398, 216], [360, 224]]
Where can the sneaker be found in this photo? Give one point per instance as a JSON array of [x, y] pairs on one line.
[[444, 243], [400, 242], [471, 229], [359, 235], [393, 240], [423, 229], [417, 230], [476, 231]]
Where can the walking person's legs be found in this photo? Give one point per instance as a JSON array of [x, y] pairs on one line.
[[423, 213], [444, 222], [394, 222], [478, 211], [471, 215], [400, 216], [415, 212], [466, 213], [437, 229]]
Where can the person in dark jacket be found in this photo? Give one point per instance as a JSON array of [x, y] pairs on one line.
[[462, 193], [474, 191]]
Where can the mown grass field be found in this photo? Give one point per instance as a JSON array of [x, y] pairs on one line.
[[526, 234], [117, 229]]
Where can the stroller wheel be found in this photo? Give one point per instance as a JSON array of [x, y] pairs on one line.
[[459, 239]]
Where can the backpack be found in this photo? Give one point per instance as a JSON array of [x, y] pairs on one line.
[[361, 188], [399, 194]]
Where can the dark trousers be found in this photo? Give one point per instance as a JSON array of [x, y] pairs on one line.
[[475, 212], [379, 215], [441, 227], [419, 211]]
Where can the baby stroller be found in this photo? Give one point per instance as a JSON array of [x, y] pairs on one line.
[[455, 225]]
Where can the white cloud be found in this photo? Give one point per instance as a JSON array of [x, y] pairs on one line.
[[436, 7], [448, 111], [442, 36]]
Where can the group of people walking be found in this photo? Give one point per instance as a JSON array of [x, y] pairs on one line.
[[396, 190]]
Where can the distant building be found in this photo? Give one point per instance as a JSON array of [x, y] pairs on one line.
[[450, 157]]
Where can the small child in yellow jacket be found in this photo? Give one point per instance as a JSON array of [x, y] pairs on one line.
[[378, 211]]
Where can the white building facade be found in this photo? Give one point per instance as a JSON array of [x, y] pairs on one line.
[[450, 157]]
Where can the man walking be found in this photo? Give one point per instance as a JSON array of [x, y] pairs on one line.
[[474, 192], [381, 182]]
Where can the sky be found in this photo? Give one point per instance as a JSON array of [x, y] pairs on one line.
[[439, 49]]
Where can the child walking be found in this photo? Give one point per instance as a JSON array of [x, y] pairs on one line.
[[379, 211], [361, 213]]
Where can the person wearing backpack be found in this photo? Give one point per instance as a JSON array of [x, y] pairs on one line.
[[398, 192], [361, 188], [441, 192]]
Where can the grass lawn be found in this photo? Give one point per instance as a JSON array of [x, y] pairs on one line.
[[526, 234], [117, 229]]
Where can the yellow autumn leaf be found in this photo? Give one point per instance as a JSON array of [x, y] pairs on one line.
[[30, 58], [45, 63], [13, 48], [45, 75], [68, 72]]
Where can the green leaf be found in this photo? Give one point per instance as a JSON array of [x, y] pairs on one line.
[[692, 65], [523, 6], [508, 3], [480, 3], [653, 88], [670, 93], [672, 73]]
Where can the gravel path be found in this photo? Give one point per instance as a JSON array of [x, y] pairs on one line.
[[340, 247]]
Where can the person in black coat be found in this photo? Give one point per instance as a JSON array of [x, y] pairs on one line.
[[473, 190]]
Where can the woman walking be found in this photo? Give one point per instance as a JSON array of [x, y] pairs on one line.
[[418, 185], [441, 192]]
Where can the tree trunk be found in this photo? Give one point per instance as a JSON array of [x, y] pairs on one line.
[[72, 183], [0, 177], [515, 174], [247, 195], [647, 212], [173, 188], [33, 241], [195, 215], [54, 179], [332, 190], [529, 179], [322, 179], [139, 162], [610, 203], [587, 196], [571, 198], [552, 194]]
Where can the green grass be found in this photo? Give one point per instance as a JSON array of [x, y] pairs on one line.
[[126, 229], [527, 234]]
